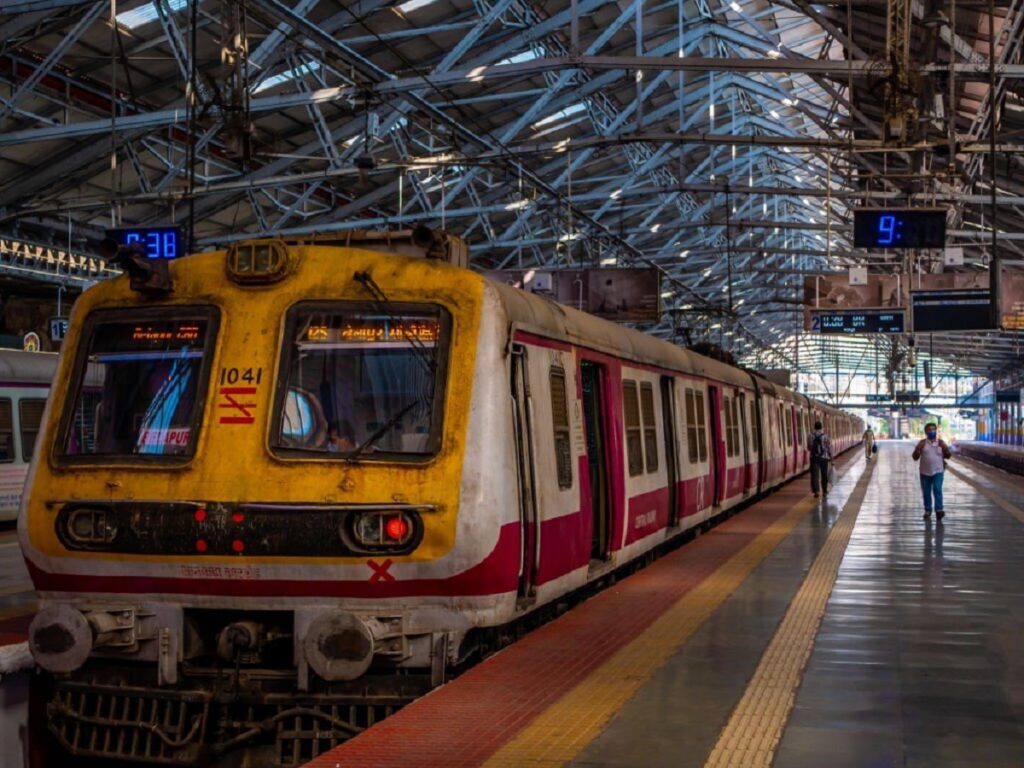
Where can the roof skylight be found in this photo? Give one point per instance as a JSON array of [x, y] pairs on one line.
[[284, 77], [413, 5], [561, 114], [146, 14]]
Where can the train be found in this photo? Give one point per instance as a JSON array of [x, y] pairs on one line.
[[24, 386], [289, 486]]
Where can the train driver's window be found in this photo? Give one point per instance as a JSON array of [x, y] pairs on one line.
[[756, 439], [634, 439], [6, 431], [702, 427], [650, 430], [691, 426], [560, 423], [30, 412]]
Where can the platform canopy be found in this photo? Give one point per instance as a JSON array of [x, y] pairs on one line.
[[723, 143]]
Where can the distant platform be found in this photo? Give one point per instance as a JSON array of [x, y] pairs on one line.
[[1007, 457]]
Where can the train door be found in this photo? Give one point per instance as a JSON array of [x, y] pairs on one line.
[[523, 432], [717, 445], [745, 436], [597, 462], [794, 437], [668, 418]]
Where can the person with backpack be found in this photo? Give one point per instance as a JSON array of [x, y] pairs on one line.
[[932, 453], [820, 447]]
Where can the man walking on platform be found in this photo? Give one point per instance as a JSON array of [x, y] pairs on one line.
[[869, 442], [820, 448], [932, 452]]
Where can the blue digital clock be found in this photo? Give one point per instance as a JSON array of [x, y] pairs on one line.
[[158, 242], [899, 228]]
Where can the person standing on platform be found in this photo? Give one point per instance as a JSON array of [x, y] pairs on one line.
[[932, 453], [820, 447], [869, 443]]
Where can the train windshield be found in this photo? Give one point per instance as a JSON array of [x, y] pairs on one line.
[[138, 391], [363, 381]]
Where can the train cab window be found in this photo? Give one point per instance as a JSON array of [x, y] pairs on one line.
[[634, 437], [30, 413], [362, 381], [756, 438], [560, 423], [6, 431], [139, 384], [650, 430]]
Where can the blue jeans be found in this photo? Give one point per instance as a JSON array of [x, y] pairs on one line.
[[931, 485]]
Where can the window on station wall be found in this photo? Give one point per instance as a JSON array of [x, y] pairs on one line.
[[702, 427], [650, 429], [31, 413], [756, 438], [6, 431], [691, 426], [560, 424], [634, 435]]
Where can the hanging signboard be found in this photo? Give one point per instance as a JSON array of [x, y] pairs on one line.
[[627, 294]]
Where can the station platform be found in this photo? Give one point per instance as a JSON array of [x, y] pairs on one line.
[[1006, 457], [846, 631], [17, 597]]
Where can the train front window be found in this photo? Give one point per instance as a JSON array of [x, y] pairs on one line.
[[139, 386], [362, 382]]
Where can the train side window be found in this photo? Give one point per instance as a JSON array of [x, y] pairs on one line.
[[560, 422], [6, 431], [30, 411], [730, 424], [736, 424], [702, 426], [756, 438], [788, 415], [691, 426], [650, 428], [634, 438]]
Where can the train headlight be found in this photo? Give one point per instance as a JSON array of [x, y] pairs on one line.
[[384, 530], [257, 261], [86, 527]]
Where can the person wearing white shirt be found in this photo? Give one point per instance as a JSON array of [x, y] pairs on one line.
[[932, 453]]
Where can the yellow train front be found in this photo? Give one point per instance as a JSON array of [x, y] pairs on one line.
[[243, 519]]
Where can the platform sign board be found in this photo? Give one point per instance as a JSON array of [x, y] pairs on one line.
[[1011, 300], [58, 328], [834, 291], [908, 396], [879, 398], [857, 321], [628, 294], [957, 310], [899, 228]]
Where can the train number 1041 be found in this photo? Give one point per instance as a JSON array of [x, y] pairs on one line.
[[235, 375]]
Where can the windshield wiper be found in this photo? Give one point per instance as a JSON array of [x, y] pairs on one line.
[[381, 431], [380, 302]]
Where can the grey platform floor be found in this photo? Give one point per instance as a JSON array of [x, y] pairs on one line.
[[919, 659]]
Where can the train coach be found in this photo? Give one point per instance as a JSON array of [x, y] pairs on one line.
[[308, 479]]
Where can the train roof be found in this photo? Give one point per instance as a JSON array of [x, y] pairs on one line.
[[18, 367]]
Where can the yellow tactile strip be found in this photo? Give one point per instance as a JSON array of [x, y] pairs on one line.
[[558, 734], [752, 734], [995, 498]]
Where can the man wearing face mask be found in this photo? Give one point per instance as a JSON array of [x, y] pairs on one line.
[[932, 453]]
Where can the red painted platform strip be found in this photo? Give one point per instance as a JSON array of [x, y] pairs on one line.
[[465, 722], [13, 631]]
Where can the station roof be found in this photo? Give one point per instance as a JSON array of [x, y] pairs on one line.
[[725, 143]]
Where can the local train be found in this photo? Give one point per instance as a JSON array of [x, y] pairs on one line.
[[312, 477], [24, 385]]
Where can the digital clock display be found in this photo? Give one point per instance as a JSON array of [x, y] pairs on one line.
[[858, 321], [158, 242], [899, 228]]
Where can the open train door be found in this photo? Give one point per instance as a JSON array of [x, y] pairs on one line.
[[523, 416], [595, 409], [717, 444]]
